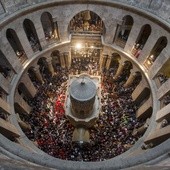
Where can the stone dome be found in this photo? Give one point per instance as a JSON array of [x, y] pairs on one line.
[[82, 89]]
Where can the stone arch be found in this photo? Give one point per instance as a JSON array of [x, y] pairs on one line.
[[16, 44], [31, 34], [86, 22], [50, 28], [123, 31]]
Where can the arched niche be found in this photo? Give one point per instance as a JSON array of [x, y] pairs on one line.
[[123, 31], [156, 50], [32, 35], [86, 22], [141, 40], [50, 28], [16, 44]]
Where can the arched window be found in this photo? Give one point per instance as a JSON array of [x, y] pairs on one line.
[[123, 31], [50, 28], [155, 52], [16, 44], [141, 40], [32, 35], [86, 22]]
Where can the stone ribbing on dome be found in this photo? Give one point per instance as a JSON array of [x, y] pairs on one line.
[[82, 89]]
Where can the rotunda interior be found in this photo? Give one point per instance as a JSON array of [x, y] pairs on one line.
[[84, 84]]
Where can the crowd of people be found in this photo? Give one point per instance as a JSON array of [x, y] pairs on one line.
[[81, 23], [112, 133]]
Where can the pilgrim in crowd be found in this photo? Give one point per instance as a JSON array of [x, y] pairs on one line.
[[112, 133]]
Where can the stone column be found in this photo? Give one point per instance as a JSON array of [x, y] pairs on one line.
[[111, 30], [4, 106], [67, 60], [130, 79], [62, 60], [159, 62], [103, 60], [8, 130], [150, 43], [163, 113], [119, 70], [38, 74], [145, 110], [141, 130], [29, 85], [24, 125], [10, 55], [40, 32], [24, 40], [139, 89], [109, 59], [50, 66], [164, 89], [21, 103], [132, 36], [158, 136], [56, 36]]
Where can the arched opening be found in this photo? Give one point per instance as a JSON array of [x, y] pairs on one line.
[[141, 40], [123, 31], [86, 22], [5, 67], [32, 35], [155, 52], [50, 28], [16, 45]]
